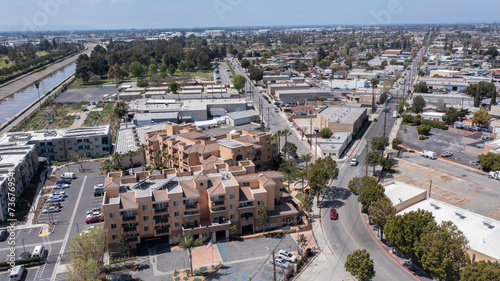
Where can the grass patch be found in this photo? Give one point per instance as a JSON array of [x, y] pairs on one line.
[[299, 196]]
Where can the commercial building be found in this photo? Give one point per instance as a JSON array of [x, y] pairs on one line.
[[240, 117], [335, 146], [341, 118], [18, 165], [190, 147], [481, 232], [65, 144], [301, 95], [272, 88], [206, 200]]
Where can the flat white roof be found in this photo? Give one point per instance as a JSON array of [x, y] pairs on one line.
[[399, 192], [482, 232]]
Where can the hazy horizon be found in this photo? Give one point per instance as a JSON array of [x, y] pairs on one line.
[[57, 15]]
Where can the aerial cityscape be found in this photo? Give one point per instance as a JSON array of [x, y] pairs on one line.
[[249, 140]]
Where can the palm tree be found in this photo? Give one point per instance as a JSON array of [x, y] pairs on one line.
[[187, 242], [130, 154], [286, 133], [306, 158], [117, 156], [37, 85], [107, 166], [289, 168], [272, 140]]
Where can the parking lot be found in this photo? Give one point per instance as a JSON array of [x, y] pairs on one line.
[[69, 221], [439, 141], [83, 95]]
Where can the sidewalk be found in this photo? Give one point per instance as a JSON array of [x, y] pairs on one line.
[[325, 263]]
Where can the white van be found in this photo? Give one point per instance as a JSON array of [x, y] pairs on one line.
[[17, 273], [38, 251], [68, 175]]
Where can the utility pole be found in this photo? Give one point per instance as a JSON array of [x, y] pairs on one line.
[[385, 118], [274, 268]]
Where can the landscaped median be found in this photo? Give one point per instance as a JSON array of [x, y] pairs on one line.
[[199, 274]]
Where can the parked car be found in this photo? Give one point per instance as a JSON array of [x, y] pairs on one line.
[[25, 255], [123, 277], [68, 175], [94, 214], [51, 209], [333, 214], [287, 256], [93, 210], [428, 154], [494, 175], [55, 199], [58, 186], [99, 186], [93, 219], [4, 234], [447, 154], [61, 193], [474, 163], [354, 162], [281, 262], [63, 182], [98, 192]]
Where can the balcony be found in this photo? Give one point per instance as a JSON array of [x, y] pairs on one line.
[[161, 221], [129, 218], [219, 203], [191, 213], [131, 239], [162, 231], [157, 211], [129, 228], [191, 207]]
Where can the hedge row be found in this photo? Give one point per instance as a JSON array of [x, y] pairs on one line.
[[434, 124], [27, 262]]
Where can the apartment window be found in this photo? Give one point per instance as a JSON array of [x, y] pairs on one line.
[[115, 237], [176, 204], [176, 214], [268, 150], [232, 217], [113, 226], [70, 148], [231, 207], [145, 218], [96, 139], [42, 144], [177, 224], [231, 196], [146, 229], [112, 215], [144, 207], [259, 203]]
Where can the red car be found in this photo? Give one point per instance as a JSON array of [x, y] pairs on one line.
[[93, 219], [333, 214]]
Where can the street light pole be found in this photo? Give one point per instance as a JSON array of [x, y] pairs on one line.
[[24, 248]]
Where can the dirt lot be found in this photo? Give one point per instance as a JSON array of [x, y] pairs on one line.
[[460, 186]]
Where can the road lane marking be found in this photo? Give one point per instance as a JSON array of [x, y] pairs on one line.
[[66, 237]]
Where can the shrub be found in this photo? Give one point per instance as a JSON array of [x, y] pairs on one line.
[[417, 120], [203, 268], [177, 278], [423, 137], [434, 124], [185, 278], [423, 129], [407, 118], [197, 279]]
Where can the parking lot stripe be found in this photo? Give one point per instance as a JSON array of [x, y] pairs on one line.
[[68, 230]]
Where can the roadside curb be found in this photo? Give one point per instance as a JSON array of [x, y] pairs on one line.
[[381, 246]]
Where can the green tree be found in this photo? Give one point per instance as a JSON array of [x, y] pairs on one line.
[[171, 69], [136, 69], [123, 245], [120, 109], [481, 271], [153, 69], [182, 67], [393, 62], [379, 143], [130, 154], [381, 211], [256, 75], [369, 194], [107, 166], [290, 169], [306, 158], [423, 130], [264, 219], [489, 161], [187, 242], [320, 173], [491, 51], [451, 115], [374, 82], [383, 64], [245, 63], [87, 254], [404, 231], [374, 158], [83, 68], [289, 148], [359, 265], [442, 251], [397, 141], [481, 117], [239, 82], [325, 133], [174, 87], [356, 184], [421, 87], [324, 63], [418, 104], [302, 242]]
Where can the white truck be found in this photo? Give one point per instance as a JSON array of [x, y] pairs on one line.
[[428, 154], [395, 114]]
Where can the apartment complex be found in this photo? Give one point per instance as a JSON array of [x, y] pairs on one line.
[[191, 147], [65, 144], [205, 199], [18, 165]]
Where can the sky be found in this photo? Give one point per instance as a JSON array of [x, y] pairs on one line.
[[125, 14]]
